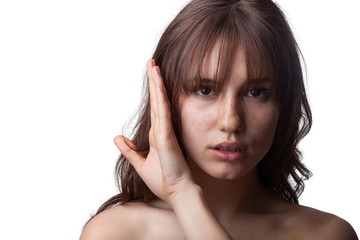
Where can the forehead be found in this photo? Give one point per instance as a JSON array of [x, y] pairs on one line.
[[219, 65], [213, 63], [221, 59]]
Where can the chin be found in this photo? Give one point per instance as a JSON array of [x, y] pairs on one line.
[[227, 172], [222, 170], [226, 176]]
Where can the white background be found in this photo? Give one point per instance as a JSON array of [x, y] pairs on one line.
[[71, 73]]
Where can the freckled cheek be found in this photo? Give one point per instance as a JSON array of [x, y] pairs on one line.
[[263, 122], [195, 118], [195, 126]]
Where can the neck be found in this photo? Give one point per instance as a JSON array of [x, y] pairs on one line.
[[231, 197]]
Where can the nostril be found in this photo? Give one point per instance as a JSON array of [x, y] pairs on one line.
[[231, 122], [230, 115]]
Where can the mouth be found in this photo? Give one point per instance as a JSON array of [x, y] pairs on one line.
[[229, 151]]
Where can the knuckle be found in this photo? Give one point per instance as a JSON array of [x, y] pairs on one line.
[[164, 140]]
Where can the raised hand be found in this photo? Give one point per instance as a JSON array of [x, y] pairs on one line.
[[164, 170]]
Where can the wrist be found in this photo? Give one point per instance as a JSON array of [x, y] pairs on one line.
[[195, 218], [186, 195]]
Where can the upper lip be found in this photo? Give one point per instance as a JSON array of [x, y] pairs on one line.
[[230, 145]]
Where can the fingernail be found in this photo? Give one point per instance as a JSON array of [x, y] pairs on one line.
[[158, 70], [162, 89]]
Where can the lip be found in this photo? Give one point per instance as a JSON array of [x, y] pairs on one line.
[[236, 154]]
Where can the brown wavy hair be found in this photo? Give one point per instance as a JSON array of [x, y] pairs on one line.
[[261, 29]]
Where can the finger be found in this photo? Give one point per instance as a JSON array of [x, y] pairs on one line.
[[152, 91], [163, 104], [128, 149]]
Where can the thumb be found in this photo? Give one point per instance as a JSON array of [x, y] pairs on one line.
[[128, 149]]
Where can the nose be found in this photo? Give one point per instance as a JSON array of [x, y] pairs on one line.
[[231, 115]]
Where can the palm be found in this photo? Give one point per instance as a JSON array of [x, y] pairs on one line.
[[164, 170]]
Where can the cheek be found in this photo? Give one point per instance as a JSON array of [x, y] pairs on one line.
[[269, 121], [196, 123], [195, 117], [263, 123]]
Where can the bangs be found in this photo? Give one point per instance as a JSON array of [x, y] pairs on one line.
[[226, 43], [193, 34], [228, 37]]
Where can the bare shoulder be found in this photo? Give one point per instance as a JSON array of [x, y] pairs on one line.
[[321, 225], [134, 220], [114, 223]]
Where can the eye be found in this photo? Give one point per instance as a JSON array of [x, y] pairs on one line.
[[258, 92], [205, 91]]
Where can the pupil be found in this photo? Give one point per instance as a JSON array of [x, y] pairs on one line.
[[205, 91], [256, 92]]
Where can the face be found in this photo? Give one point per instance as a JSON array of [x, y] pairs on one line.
[[227, 132]]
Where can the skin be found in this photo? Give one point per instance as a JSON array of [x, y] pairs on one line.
[[203, 196], [232, 115]]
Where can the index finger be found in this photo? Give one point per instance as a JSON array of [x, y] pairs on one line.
[[152, 91], [163, 105]]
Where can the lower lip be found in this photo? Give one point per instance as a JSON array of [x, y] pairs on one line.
[[228, 156]]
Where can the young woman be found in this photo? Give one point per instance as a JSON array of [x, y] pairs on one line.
[[214, 153]]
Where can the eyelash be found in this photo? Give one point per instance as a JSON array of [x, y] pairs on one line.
[[199, 91], [250, 93], [263, 92]]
